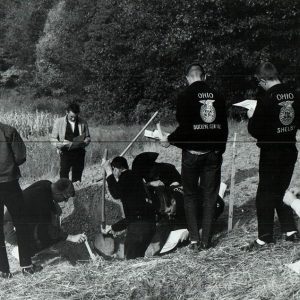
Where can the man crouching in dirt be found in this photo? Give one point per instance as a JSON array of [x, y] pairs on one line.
[[164, 188], [42, 214], [139, 218]]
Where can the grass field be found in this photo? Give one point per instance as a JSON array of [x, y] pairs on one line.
[[222, 272]]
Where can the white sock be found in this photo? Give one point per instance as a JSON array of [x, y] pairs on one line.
[[260, 242], [193, 242], [289, 233]]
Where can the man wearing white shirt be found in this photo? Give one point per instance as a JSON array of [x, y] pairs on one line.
[[70, 136]]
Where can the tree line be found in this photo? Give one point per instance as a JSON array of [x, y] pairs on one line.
[[124, 59]]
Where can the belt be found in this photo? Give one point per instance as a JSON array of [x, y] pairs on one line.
[[197, 152]]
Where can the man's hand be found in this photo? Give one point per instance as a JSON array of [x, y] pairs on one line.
[[106, 230], [156, 183], [295, 191], [87, 140], [64, 144], [164, 141], [250, 113], [77, 238], [289, 198]]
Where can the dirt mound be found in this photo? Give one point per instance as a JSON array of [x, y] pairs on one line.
[[83, 215]]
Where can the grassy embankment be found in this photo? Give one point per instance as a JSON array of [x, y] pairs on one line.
[[223, 272]]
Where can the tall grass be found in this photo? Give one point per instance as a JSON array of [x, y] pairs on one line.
[[29, 124]]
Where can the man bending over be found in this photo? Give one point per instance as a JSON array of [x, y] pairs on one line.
[[139, 218]]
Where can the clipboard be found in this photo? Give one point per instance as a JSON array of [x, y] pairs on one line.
[[78, 142]]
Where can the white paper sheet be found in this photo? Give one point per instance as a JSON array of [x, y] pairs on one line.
[[295, 266], [248, 104], [174, 238]]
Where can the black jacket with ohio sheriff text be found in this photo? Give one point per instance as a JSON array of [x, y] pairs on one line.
[[201, 115], [276, 118]]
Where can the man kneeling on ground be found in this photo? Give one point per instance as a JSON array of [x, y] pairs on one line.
[[164, 187], [139, 218], [42, 213]]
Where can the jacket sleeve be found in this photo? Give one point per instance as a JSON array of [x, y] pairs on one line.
[[181, 116], [18, 148], [54, 138], [8, 228], [256, 124], [56, 233], [120, 225], [113, 187], [87, 133], [224, 125]]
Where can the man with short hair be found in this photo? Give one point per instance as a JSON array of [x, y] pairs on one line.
[[202, 135], [12, 155], [139, 218], [42, 211], [70, 136], [274, 124]]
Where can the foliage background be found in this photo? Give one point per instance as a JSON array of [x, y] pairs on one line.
[[125, 59]]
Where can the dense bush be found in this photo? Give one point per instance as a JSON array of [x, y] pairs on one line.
[[124, 59]]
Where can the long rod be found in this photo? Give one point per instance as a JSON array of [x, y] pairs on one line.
[[232, 183], [103, 217], [93, 257], [137, 136]]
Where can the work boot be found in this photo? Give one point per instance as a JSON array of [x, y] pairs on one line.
[[255, 246], [293, 237], [32, 269], [194, 247]]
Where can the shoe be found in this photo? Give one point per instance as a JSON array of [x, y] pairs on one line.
[[293, 237], [32, 269], [6, 275], [253, 246], [204, 246], [194, 247]]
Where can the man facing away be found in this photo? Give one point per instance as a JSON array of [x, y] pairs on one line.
[[139, 218], [70, 136], [12, 155], [202, 135], [42, 210], [274, 124]]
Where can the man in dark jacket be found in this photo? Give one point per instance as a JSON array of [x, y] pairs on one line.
[[202, 135], [42, 211], [274, 124], [12, 155], [164, 187], [139, 218]]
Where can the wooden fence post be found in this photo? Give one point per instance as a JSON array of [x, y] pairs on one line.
[[232, 182]]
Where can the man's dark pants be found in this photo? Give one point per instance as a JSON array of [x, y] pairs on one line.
[[11, 196], [138, 237], [72, 159], [275, 172], [207, 167]]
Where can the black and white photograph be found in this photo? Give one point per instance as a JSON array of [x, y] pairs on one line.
[[149, 149]]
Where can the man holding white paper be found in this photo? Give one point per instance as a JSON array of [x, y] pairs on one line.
[[202, 135], [70, 136], [274, 124]]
